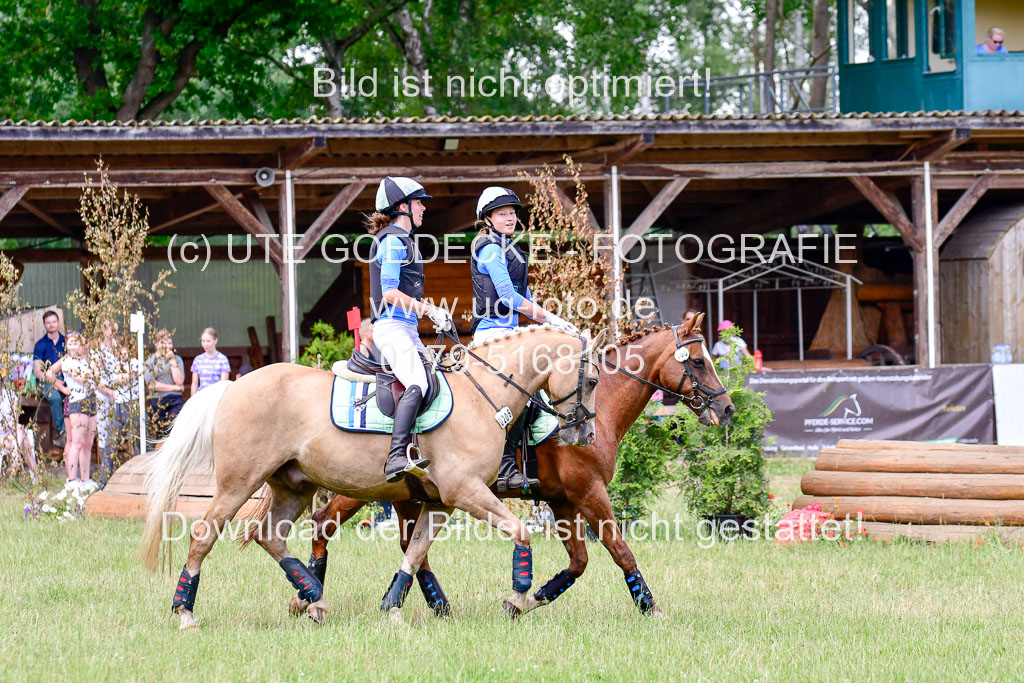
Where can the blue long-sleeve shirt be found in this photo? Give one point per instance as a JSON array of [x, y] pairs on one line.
[[391, 255], [492, 260]]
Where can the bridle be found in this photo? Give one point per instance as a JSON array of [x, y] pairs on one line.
[[578, 416], [682, 354]]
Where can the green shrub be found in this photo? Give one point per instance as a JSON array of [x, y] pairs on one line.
[[644, 467], [723, 469], [329, 345]]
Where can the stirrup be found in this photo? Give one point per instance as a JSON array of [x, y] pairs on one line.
[[416, 467]]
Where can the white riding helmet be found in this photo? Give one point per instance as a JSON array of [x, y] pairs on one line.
[[394, 191], [494, 198]]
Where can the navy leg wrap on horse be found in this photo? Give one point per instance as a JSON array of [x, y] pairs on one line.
[[555, 587], [639, 591], [435, 597], [185, 591], [395, 595], [522, 568], [318, 565], [309, 587]]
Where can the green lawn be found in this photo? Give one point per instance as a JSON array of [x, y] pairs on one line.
[[78, 605]]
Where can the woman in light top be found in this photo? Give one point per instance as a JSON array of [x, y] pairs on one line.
[[211, 366], [80, 379], [501, 291]]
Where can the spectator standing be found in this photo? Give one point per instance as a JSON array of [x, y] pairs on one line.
[[121, 424], [993, 43], [14, 438], [211, 366], [165, 378], [79, 378], [48, 351], [107, 363], [729, 354]]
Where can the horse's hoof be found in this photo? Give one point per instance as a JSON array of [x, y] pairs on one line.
[[318, 615], [511, 611], [297, 607], [395, 615], [188, 621], [655, 613]]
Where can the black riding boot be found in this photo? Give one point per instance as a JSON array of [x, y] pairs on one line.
[[509, 476], [403, 458]]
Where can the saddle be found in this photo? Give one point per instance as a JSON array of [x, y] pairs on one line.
[[388, 389]]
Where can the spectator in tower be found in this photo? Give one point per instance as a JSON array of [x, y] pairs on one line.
[[993, 43]]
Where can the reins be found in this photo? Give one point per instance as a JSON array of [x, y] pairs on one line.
[[682, 354], [577, 416]]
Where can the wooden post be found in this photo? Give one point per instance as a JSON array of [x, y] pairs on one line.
[[920, 256]]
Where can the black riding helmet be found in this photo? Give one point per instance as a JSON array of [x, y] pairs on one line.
[[393, 191]]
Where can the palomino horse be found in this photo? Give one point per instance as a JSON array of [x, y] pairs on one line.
[[574, 479], [273, 426]]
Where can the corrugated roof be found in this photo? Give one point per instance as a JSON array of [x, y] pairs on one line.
[[377, 120]]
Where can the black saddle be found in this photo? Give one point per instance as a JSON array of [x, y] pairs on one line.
[[389, 389]]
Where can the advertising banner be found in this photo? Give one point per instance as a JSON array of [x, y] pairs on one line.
[[813, 409]]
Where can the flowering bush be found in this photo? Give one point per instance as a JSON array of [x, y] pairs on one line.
[[66, 504]]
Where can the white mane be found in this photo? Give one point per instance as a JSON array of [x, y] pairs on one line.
[[515, 332]]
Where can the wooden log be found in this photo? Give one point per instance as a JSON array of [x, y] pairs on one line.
[[884, 292], [920, 510], [130, 506], [879, 445], [940, 533], [961, 486], [938, 462]]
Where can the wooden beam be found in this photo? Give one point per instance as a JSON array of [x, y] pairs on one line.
[[181, 207], [654, 210], [630, 150], [11, 198], [327, 218], [962, 207], [456, 218], [249, 223], [889, 206], [569, 205], [259, 210], [48, 219], [938, 145], [297, 156]]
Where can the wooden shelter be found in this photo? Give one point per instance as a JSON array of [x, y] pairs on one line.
[[698, 175], [982, 291]]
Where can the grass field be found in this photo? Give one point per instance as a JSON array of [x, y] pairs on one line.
[[79, 606]]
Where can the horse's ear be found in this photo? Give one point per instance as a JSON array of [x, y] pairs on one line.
[[599, 341], [695, 324], [585, 334]]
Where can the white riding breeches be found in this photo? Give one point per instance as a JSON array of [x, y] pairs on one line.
[[481, 336], [400, 344]]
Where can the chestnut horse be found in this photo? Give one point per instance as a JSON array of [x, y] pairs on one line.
[[574, 479], [272, 426]]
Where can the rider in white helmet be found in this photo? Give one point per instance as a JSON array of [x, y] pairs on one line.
[[396, 285], [500, 293]]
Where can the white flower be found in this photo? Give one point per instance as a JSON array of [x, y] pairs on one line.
[[49, 508], [68, 515], [44, 495], [61, 495]]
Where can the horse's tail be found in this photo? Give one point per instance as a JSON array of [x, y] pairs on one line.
[[252, 531], [189, 445]]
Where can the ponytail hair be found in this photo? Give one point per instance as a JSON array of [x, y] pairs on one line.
[[376, 222]]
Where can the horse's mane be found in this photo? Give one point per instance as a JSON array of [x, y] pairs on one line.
[[637, 335], [514, 332]]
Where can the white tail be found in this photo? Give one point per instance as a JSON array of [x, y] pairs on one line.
[[189, 445]]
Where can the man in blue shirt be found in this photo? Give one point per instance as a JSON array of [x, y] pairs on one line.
[[993, 43], [48, 351]]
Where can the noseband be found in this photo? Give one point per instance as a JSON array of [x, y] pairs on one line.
[[682, 355], [580, 415]]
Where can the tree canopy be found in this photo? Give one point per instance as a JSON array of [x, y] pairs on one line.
[[182, 59]]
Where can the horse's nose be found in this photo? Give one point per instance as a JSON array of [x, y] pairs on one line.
[[590, 438], [727, 412]]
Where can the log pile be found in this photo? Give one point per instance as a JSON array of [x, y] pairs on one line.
[[933, 492], [124, 496]]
